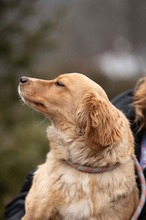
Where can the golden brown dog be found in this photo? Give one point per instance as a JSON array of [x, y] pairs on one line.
[[88, 130]]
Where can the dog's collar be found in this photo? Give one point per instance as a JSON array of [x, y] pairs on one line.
[[87, 169]]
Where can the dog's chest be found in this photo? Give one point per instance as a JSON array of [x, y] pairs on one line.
[[79, 200], [75, 195], [76, 210], [83, 197]]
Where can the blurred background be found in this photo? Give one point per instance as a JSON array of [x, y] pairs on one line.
[[105, 40]]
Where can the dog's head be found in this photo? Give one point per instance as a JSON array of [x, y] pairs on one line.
[[75, 103]]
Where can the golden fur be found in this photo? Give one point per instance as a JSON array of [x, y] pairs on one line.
[[86, 129]]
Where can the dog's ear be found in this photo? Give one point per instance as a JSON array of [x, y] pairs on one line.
[[102, 128]]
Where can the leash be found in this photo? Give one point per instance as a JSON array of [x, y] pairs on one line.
[[87, 169], [143, 189]]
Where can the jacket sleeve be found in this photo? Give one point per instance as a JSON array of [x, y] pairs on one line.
[[16, 208]]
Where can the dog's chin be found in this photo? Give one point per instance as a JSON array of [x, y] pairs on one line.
[[37, 106]]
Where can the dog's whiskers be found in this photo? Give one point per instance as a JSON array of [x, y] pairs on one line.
[[39, 123]]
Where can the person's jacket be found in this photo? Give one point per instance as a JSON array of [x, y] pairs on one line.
[[124, 102], [16, 209]]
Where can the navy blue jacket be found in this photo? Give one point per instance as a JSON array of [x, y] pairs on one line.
[[124, 102]]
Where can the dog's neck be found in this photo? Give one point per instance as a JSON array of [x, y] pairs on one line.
[[74, 149]]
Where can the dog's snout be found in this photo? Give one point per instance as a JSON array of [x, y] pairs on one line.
[[24, 79]]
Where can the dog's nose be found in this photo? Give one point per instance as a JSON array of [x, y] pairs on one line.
[[23, 79]]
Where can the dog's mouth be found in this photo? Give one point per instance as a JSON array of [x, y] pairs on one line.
[[32, 102], [36, 105]]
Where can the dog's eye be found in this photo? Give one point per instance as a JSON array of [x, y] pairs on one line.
[[59, 84]]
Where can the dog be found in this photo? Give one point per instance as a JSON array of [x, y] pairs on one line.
[[86, 131]]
